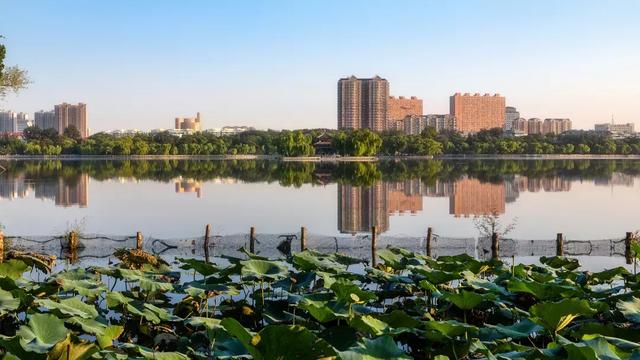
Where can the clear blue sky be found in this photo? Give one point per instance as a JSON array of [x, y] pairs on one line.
[[274, 64]]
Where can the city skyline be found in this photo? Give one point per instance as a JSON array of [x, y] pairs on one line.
[[568, 60]]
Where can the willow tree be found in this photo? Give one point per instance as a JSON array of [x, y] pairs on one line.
[[12, 78]]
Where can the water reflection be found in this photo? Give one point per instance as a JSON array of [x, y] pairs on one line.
[[368, 194], [361, 207], [189, 186], [63, 191]]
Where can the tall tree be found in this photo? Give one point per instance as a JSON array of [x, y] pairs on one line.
[[12, 78]]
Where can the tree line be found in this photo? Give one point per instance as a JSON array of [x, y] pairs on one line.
[[321, 173], [36, 141]]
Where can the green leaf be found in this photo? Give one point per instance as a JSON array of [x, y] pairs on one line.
[[264, 269], [200, 266], [77, 350], [72, 306], [110, 333], [324, 310], [313, 261], [554, 316], [368, 324], [630, 309], [247, 339], [13, 268], [465, 300], [559, 262], [291, 342], [8, 303], [345, 289], [42, 333], [379, 348]]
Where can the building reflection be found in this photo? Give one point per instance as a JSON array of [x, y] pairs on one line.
[[360, 207], [67, 191], [189, 186], [471, 197]]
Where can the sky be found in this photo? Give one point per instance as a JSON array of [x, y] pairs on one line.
[[275, 64]]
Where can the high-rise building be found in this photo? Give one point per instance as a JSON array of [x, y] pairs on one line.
[[72, 115], [555, 126], [22, 122], [7, 122], [190, 124], [520, 127], [615, 129], [362, 103], [510, 115], [399, 108], [534, 126], [361, 207], [414, 124], [477, 112], [45, 120]]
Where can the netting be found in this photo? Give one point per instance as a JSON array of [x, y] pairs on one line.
[[279, 245]]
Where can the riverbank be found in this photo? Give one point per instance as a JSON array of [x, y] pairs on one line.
[[322, 158]]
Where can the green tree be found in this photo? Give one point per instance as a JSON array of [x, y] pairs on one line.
[[12, 78], [73, 133], [295, 143]]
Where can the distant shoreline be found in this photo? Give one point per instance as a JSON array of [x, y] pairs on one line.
[[321, 158]]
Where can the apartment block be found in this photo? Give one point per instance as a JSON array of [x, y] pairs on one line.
[[398, 108], [72, 115], [555, 126], [45, 120], [477, 112], [362, 103], [192, 124]]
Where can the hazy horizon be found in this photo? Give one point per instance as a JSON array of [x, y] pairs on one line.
[[275, 64]]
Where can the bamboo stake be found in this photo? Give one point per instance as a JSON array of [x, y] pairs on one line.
[[559, 244], [252, 240], [207, 235], [429, 236], [303, 238], [373, 246]]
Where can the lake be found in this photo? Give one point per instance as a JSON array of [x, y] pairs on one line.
[[584, 199]]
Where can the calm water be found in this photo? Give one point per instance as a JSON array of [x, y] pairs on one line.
[[584, 199]]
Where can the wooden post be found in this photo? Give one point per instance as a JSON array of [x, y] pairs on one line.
[[252, 240], [73, 241], [139, 240], [429, 236], [373, 246], [1, 246], [303, 238], [559, 244], [207, 235], [73, 246], [627, 248], [495, 245]]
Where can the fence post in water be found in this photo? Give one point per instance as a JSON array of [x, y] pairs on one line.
[[1, 246], [73, 246], [373, 246], [495, 245], [429, 236], [627, 247], [559, 244], [207, 235], [303, 238], [252, 240], [139, 240], [73, 241]]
